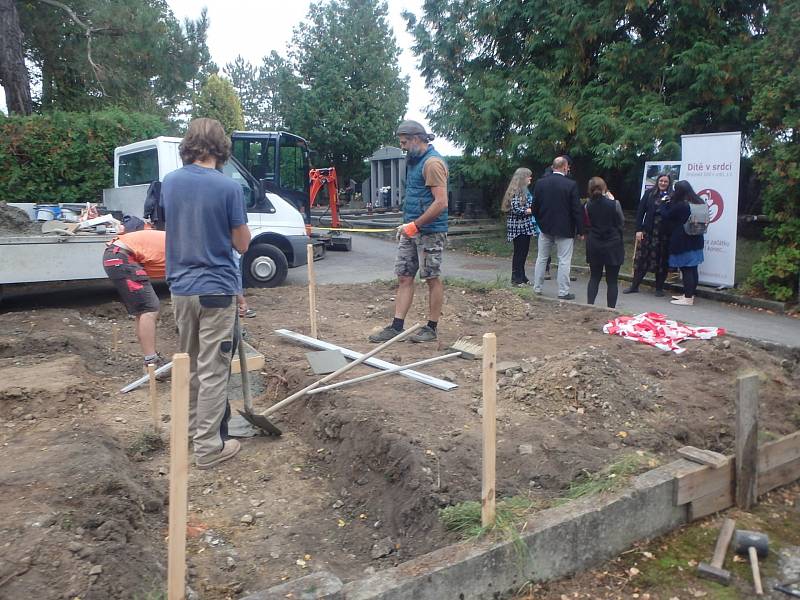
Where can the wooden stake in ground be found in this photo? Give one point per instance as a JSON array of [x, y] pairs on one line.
[[312, 290], [114, 337], [489, 379], [155, 412], [178, 478], [747, 440]]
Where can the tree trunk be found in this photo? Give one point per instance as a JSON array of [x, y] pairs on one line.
[[13, 72]]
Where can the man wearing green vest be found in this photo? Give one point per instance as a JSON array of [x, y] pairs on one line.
[[424, 231]]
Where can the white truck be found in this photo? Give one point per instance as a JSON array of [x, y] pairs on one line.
[[279, 235]]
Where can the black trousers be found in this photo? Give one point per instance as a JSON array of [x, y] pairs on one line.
[[690, 279], [612, 276], [522, 245]]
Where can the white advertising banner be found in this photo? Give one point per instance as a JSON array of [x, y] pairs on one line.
[[711, 164]]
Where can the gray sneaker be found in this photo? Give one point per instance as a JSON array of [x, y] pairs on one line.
[[385, 334], [425, 334], [229, 450]]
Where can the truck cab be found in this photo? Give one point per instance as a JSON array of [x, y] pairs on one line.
[[278, 229]]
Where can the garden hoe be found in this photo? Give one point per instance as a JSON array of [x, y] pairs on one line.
[[261, 421]]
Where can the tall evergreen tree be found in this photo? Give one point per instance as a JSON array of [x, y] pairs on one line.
[[260, 89], [609, 81], [347, 94], [242, 76], [87, 54], [273, 88], [776, 109], [198, 56]]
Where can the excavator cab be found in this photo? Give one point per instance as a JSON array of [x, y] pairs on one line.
[[279, 161]]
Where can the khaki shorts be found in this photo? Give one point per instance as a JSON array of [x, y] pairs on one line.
[[432, 246]]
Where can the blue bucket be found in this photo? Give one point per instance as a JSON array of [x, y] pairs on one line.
[[47, 212]]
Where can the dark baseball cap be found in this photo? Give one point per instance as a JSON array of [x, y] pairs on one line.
[[409, 127]]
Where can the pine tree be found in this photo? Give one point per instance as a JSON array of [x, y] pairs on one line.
[[347, 94], [242, 76], [88, 54]]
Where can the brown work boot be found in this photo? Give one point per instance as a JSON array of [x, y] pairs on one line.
[[229, 450]]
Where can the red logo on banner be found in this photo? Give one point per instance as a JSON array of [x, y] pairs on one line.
[[714, 201]]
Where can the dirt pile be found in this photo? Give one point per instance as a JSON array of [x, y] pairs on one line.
[[78, 521], [581, 382], [14, 221]]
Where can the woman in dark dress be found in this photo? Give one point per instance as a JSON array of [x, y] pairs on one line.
[[685, 251], [604, 246], [651, 239]]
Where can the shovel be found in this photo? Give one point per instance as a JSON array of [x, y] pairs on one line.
[[261, 421], [247, 413]]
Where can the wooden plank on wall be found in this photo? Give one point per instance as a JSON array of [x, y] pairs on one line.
[[703, 457], [714, 502], [776, 453], [778, 476], [703, 482]]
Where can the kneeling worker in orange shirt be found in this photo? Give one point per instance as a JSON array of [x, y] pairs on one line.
[[130, 261]]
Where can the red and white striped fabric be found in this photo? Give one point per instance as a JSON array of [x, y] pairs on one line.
[[656, 330]]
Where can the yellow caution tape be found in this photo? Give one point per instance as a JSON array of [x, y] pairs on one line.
[[356, 230]]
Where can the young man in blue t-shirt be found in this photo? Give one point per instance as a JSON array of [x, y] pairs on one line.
[[205, 219]]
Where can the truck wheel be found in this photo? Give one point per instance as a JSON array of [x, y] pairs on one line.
[[265, 266]]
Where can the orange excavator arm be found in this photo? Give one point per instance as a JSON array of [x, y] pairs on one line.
[[319, 179]]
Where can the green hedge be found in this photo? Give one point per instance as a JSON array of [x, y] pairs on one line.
[[67, 157]]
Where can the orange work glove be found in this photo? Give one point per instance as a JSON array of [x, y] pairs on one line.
[[408, 230]]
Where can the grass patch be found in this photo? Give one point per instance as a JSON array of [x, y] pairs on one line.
[[494, 244], [611, 478], [151, 595], [145, 443], [511, 514], [501, 282], [465, 518]]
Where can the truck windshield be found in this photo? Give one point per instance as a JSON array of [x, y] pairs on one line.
[[138, 168], [231, 171], [257, 156]]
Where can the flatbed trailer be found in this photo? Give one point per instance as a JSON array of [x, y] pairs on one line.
[[50, 258], [34, 258]]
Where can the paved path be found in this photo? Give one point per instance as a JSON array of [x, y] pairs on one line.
[[373, 258]]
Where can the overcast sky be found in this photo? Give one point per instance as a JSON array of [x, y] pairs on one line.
[[254, 28]]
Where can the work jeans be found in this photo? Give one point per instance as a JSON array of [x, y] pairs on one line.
[[564, 250], [205, 332], [522, 245]]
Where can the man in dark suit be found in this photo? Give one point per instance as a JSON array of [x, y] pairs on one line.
[[558, 212]]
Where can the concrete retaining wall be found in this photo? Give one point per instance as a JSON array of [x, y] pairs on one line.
[[560, 541]]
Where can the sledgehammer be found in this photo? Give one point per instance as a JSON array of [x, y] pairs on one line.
[[755, 545], [714, 570]]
